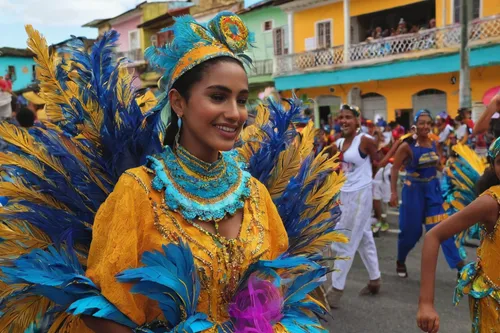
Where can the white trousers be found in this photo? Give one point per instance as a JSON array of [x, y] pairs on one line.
[[356, 208]]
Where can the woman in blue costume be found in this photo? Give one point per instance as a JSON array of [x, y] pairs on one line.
[[422, 198]]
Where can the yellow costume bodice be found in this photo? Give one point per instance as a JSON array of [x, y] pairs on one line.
[[134, 219], [481, 280]]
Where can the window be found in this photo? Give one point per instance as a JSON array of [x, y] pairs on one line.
[[280, 39], [267, 26], [324, 34], [476, 10], [12, 73], [134, 42], [33, 73]]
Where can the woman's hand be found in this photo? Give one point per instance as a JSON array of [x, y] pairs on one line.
[[427, 318], [394, 200]]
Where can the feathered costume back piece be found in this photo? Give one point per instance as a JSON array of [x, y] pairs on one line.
[[458, 187], [58, 173]]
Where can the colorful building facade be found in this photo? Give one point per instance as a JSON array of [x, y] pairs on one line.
[[262, 19], [342, 51], [19, 64]]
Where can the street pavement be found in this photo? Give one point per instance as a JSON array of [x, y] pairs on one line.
[[394, 309]]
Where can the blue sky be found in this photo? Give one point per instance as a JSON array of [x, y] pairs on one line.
[[57, 20]]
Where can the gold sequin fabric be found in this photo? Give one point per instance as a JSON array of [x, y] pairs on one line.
[[134, 219], [481, 280]]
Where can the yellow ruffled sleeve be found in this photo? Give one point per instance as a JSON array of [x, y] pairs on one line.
[[117, 245]]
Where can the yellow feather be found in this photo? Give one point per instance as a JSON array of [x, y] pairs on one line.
[[478, 163], [19, 238], [20, 138], [20, 313], [16, 191], [307, 139], [321, 164], [23, 162], [262, 116], [322, 194], [288, 166], [67, 323]]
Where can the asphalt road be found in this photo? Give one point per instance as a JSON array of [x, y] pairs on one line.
[[394, 309]]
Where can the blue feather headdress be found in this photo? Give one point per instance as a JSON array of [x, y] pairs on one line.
[[224, 36]]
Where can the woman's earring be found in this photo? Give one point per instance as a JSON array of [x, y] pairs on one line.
[[177, 136]]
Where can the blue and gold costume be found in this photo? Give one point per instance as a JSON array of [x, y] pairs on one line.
[[422, 203], [102, 220]]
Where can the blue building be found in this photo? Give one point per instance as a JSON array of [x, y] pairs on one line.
[[19, 64]]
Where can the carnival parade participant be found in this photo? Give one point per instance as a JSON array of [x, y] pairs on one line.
[[189, 235], [356, 153], [422, 202], [479, 279]]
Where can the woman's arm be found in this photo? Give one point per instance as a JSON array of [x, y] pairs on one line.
[[401, 155], [484, 209], [104, 326], [483, 123]]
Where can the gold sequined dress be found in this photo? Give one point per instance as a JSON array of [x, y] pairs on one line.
[[481, 280], [134, 219]]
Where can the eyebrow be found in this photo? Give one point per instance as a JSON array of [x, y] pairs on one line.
[[226, 89]]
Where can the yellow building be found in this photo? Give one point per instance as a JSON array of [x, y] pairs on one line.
[[390, 57]]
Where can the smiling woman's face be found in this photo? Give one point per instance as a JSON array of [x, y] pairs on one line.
[[215, 112]]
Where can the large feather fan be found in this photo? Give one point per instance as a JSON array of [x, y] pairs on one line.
[[61, 171], [458, 187]]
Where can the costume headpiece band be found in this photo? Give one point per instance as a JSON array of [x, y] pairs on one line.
[[420, 113], [494, 149], [194, 43], [352, 108]]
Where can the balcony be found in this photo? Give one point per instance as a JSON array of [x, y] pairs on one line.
[[261, 67], [132, 55], [425, 42]]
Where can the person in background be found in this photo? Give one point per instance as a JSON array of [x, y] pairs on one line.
[[422, 201], [25, 117], [397, 130], [381, 197], [6, 84], [432, 23], [374, 132], [444, 131], [483, 123], [461, 130], [402, 28]]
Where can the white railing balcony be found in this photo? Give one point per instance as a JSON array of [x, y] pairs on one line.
[[483, 30], [261, 67], [132, 55]]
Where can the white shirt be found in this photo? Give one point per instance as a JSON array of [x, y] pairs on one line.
[[443, 135], [461, 131], [357, 170]]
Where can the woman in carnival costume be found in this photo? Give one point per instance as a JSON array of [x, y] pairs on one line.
[[479, 279], [190, 239], [422, 202]]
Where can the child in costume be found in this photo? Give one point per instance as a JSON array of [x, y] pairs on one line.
[[189, 235], [422, 202], [479, 280]]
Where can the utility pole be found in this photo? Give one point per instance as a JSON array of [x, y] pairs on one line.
[[465, 90]]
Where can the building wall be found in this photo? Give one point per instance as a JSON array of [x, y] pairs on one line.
[[123, 29], [305, 20], [399, 92], [263, 40], [24, 70], [151, 11], [491, 7]]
